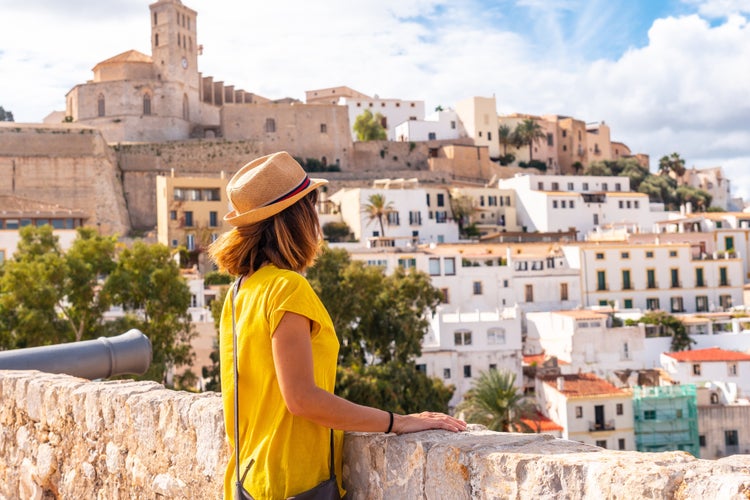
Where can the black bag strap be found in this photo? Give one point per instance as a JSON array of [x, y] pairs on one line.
[[235, 289]]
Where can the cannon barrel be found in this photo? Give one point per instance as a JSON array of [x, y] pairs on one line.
[[128, 353]]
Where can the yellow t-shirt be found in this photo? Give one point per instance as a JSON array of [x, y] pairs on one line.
[[291, 453]]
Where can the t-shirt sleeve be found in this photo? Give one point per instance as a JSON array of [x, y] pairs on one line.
[[291, 292]]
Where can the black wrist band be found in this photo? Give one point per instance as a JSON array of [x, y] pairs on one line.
[[390, 425]]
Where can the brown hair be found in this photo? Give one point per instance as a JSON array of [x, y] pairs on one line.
[[289, 240]]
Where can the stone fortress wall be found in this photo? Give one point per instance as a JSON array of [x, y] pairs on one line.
[[66, 437]]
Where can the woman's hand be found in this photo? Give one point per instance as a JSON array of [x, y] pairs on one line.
[[404, 424]]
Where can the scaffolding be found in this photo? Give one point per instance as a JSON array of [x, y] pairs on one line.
[[666, 418]]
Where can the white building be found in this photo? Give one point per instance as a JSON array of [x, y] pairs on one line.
[[416, 214], [439, 126], [671, 277], [590, 409], [723, 422], [699, 366], [551, 203], [714, 182], [585, 341], [492, 210]]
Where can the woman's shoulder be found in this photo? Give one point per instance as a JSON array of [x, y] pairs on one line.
[[282, 277]]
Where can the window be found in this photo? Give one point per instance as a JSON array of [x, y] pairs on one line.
[[699, 281], [146, 104], [449, 266], [323, 128], [467, 371], [270, 125], [571, 204], [599, 256], [601, 443], [650, 278], [554, 203], [422, 368], [446, 373], [626, 284], [585, 186], [675, 277], [652, 304], [696, 368], [601, 280], [596, 219], [732, 369], [563, 291], [649, 415], [729, 243], [407, 263], [462, 337], [540, 186], [446, 299], [213, 218], [415, 218], [725, 301], [673, 253], [100, 109], [676, 304], [477, 288], [730, 438], [440, 200], [188, 218], [649, 254], [619, 409], [529, 293], [618, 186], [434, 266], [701, 303], [627, 303], [190, 243], [555, 186], [621, 444], [625, 255], [702, 441], [431, 136], [579, 411], [393, 218], [723, 280], [173, 215], [496, 336]]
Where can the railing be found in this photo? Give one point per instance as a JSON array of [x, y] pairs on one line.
[[609, 425]]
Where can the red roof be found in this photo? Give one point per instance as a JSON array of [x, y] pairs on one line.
[[583, 384], [540, 423], [710, 354]]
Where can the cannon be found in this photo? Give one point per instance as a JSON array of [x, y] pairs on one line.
[[125, 354]]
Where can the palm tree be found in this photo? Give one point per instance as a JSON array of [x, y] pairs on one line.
[[528, 132], [494, 401], [672, 164], [377, 209], [505, 136]]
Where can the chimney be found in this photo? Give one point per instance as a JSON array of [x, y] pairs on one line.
[[560, 383]]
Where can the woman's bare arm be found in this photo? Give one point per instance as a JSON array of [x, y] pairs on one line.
[[292, 354]]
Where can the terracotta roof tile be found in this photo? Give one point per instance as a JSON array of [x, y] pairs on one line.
[[583, 385], [710, 354], [540, 423]]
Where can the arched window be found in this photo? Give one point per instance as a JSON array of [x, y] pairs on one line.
[[146, 104], [714, 398], [270, 125], [100, 105], [155, 22], [156, 39], [185, 107]]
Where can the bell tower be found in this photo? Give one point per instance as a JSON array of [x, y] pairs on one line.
[[174, 42]]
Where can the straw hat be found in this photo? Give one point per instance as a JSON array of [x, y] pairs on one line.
[[265, 187]]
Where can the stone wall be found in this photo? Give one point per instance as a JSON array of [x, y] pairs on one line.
[[65, 437]]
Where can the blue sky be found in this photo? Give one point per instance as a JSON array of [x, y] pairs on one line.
[[666, 75]]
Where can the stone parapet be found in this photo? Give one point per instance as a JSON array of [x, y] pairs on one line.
[[65, 437]]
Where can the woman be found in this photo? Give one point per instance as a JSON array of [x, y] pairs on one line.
[[287, 348]]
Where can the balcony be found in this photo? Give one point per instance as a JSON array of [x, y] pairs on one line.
[[600, 426]]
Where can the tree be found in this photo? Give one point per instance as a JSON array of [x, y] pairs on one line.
[[494, 401], [659, 189], [672, 164], [462, 207], [528, 133], [681, 340], [377, 208], [148, 284], [597, 168], [337, 231], [5, 116], [369, 127], [699, 200]]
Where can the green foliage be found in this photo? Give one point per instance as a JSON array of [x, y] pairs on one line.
[[5, 116], [337, 231], [506, 159], [378, 318], [148, 284], [598, 168], [672, 164], [715, 209], [494, 401], [377, 208], [681, 340], [528, 133], [394, 386], [539, 165], [506, 138], [217, 278], [462, 207], [698, 199], [369, 127], [659, 189]]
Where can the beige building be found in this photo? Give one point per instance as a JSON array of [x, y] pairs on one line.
[[479, 116], [189, 213]]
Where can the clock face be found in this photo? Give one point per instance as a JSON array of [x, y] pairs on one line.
[[184, 63]]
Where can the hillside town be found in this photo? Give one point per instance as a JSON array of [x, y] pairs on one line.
[[546, 266]]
